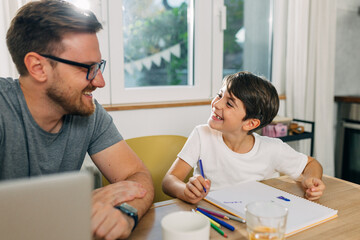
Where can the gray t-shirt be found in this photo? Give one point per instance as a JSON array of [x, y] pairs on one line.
[[27, 150]]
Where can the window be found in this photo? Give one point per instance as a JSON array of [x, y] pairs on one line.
[[156, 65], [171, 50], [155, 42], [248, 37]]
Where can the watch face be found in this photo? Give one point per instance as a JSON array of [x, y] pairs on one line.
[[130, 211], [128, 208]]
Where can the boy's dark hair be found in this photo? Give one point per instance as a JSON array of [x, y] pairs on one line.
[[40, 26], [258, 95]]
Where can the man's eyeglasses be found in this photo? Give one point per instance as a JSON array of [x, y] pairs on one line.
[[92, 68]]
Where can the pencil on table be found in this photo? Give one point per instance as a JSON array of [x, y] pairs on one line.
[[218, 230], [223, 223], [217, 214], [211, 221], [232, 217]]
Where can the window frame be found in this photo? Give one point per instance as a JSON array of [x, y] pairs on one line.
[[203, 59], [209, 25]]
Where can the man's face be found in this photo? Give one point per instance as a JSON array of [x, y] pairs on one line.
[[68, 87]]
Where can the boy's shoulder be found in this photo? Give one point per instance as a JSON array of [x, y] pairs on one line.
[[202, 127], [205, 129], [268, 141]]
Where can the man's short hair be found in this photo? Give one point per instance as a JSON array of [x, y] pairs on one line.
[[39, 26], [259, 96]]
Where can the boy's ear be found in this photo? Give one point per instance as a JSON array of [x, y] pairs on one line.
[[35, 65], [251, 124]]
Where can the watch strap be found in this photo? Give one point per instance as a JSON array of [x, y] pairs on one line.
[[133, 216]]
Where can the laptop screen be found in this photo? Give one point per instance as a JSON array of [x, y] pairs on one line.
[[56, 206]]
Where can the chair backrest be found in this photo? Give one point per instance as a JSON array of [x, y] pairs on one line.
[[158, 153]]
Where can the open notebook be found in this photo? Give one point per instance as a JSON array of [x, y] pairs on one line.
[[302, 213], [55, 207]]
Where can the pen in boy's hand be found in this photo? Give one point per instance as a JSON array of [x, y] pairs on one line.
[[202, 172]]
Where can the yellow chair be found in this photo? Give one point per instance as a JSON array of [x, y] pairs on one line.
[[158, 153]]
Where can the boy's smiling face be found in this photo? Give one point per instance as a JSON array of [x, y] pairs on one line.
[[227, 113]]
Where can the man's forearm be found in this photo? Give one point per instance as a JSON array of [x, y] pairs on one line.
[[143, 204]]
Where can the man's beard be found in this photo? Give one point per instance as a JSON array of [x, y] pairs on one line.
[[71, 102]]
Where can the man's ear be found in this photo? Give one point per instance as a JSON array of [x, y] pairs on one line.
[[36, 65], [251, 124]]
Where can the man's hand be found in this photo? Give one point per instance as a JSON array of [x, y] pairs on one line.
[[119, 192], [313, 187], [108, 222]]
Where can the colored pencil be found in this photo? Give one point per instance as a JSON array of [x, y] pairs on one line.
[[211, 221], [232, 217], [218, 230], [224, 224], [217, 214]]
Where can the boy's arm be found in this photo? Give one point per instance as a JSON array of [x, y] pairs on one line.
[[311, 179], [173, 183]]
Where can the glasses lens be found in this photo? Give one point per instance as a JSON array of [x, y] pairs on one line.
[[93, 71], [102, 65], [95, 68]]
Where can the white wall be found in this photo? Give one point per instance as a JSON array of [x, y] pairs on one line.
[[347, 60], [160, 121]]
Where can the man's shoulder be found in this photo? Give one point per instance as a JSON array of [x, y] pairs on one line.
[[9, 89], [6, 83]]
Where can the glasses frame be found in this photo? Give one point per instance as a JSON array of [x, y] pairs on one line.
[[100, 65]]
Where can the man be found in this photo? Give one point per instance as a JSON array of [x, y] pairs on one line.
[[49, 119]]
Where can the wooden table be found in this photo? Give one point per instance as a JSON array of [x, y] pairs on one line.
[[339, 194]]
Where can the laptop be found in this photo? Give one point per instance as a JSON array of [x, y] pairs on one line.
[[55, 207]]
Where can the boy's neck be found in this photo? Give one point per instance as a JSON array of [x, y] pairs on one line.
[[242, 144]]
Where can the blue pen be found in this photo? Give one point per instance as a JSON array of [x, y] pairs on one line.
[[202, 172], [225, 224]]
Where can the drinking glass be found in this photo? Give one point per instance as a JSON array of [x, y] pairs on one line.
[[266, 220]]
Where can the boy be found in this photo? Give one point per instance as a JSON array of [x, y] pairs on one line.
[[230, 150]]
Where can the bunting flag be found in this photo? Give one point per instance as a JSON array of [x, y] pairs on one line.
[[155, 58]]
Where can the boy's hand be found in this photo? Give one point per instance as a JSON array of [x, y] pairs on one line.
[[313, 187], [194, 190]]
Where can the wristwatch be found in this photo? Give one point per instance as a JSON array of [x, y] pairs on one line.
[[130, 211]]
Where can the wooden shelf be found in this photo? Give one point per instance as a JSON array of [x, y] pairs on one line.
[[301, 136], [295, 137]]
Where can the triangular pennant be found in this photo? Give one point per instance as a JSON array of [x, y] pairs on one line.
[[138, 65], [166, 55], [128, 67], [147, 62], [156, 59], [175, 50]]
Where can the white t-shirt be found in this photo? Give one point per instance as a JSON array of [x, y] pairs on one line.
[[224, 167]]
